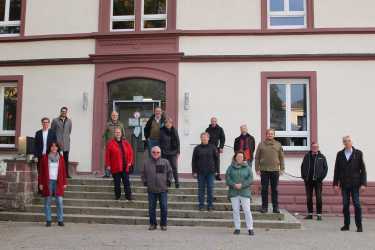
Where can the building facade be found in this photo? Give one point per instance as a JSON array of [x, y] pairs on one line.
[[303, 67]]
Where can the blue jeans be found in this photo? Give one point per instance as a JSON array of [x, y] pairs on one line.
[[205, 181], [163, 202], [353, 192], [59, 203]]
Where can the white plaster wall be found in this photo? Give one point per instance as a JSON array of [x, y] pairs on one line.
[[218, 14], [231, 91], [47, 49], [344, 13], [45, 17], [264, 45], [45, 90]]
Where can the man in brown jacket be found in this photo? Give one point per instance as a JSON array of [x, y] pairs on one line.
[[269, 164]]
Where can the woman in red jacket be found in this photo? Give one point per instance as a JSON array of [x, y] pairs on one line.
[[119, 159], [52, 182]]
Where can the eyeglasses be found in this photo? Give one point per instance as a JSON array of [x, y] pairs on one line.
[[155, 152]]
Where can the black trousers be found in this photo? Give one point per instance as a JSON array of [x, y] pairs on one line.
[[66, 159], [352, 192], [124, 177], [267, 177], [173, 161], [310, 186]]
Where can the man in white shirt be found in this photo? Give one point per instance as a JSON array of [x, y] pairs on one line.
[[43, 139]]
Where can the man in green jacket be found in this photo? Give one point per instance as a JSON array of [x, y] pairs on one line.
[[269, 164]]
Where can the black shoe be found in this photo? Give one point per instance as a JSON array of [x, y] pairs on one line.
[[105, 176], [308, 217], [359, 229], [251, 232], [319, 217], [345, 228], [60, 223], [201, 209], [130, 198], [264, 210], [152, 227], [210, 209], [163, 228], [236, 231], [217, 177], [69, 177], [276, 211], [117, 198], [48, 224], [177, 185]]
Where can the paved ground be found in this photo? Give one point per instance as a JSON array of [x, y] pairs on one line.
[[314, 235]]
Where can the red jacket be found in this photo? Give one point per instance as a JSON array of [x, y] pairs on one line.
[[113, 156], [43, 177]]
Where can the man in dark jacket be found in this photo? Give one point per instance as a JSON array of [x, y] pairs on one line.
[[350, 176], [156, 175], [217, 138], [245, 143], [170, 147], [314, 169], [204, 167], [152, 128]]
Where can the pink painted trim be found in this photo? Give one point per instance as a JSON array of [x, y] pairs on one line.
[[138, 15], [19, 80], [309, 15], [23, 17], [311, 75]]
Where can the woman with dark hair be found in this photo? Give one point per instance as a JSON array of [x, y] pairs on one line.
[[239, 178], [52, 182]]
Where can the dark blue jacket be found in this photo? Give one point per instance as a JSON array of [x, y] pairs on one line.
[[38, 148]]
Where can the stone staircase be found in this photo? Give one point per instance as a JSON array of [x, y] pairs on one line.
[[91, 200]]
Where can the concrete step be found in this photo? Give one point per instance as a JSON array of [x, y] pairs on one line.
[[136, 204], [172, 213], [289, 223], [172, 190], [135, 181], [137, 196]]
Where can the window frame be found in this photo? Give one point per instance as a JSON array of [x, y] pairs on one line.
[[9, 133], [288, 132], [122, 18], [154, 17], [286, 13], [7, 23]]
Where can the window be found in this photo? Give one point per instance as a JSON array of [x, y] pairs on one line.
[[154, 14], [10, 16], [8, 112], [286, 14], [289, 112], [123, 17]]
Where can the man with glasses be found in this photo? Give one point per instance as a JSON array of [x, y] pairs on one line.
[[43, 139], [62, 126], [350, 178], [156, 175]]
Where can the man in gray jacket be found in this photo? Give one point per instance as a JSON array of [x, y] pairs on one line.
[[62, 126], [156, 175]]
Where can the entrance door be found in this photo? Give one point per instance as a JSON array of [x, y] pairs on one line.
[[134, 126]]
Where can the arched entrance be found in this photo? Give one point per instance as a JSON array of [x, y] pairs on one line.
[[136, 96]]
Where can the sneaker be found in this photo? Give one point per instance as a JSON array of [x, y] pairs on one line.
[[48, 223], [163, 228], [276, 211], [152, 227], [60, 223], [251, 232], [236, 231], [359, 229], [319, 217], [345, 228], [308, 217], [264, 210]]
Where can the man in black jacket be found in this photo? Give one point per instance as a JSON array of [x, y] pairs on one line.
[[43, 139], [245, 143], [350, 176], [314, 169], [217, 138], [152, 128], [204, 165]]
